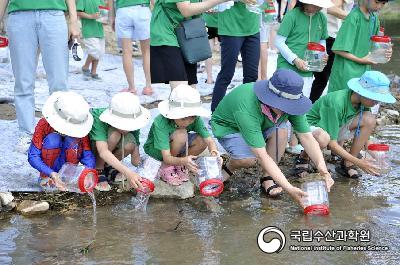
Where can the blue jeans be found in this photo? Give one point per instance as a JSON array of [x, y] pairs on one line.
[[31, 32], [249, 47]]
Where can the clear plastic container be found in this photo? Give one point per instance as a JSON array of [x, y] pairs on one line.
[[209, 179], [104, 10], [78, 178], [381, 157], [254, 8], [4, 51], [314, 57], [379, 46], [317, 202], [270, 16], [148, 170]]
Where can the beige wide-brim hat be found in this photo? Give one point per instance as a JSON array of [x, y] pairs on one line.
[[320, 3], [68, 113], [183, 102], [126, 113]]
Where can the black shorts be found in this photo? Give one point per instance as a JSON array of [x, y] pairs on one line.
[[167, 64], [212, 33]]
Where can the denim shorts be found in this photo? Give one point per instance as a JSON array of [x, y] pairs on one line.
[[191, 137], [133, 22], [237, 147]]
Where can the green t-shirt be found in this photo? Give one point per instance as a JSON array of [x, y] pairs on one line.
[[240, 112], [90, 27], [125, 3], [161, 131], [295, 27], [353, 37], [237, 21], [162, 29], [24, 5], [211, 20], [99, 131], [332, 111]]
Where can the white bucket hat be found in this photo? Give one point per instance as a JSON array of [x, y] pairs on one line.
[[183, 102], [126, 113], [320, 3], [68, 113]]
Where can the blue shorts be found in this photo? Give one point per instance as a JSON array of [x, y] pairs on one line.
[[237, 147]]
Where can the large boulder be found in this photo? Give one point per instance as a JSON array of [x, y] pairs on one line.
[[164, 190], [6, 198], [33, 207]]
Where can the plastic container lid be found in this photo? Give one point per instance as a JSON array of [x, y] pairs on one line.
[[317, 209], [3, 42], [211, 187], [148, 186], [378, 147], [381, 39], [269, 11], [104, 7], [313, 46], [82, 177]]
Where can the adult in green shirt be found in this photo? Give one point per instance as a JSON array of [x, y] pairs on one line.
[[166, 60], [344, 114], [239, 31], [178, 135], [34, 26], [353, 43], [92, 33], [250, 124], [115, 135]]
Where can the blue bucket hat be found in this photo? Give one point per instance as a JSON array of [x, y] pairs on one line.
[[373, 85], [284, 92]]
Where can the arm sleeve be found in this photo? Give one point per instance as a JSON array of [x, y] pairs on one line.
[[346, 38], [161, 138], [35, 160], [87, 158], [300, 123], [323, 43], [286, 52], [329, 121], [200, 128]]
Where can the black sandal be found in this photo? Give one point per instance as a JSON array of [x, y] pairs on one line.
[[344, 171], [268, 190], [298, 171]]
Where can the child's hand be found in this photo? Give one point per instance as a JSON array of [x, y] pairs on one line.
[[325, 59], [388, 53], [249, 2], [368, 167], [190, 164], [134, 179], [58, 182], [95, 15], [300, 64]]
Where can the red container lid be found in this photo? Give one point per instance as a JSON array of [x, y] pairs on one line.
[[317, 209], [313, 46], [3, 42], [82, 177], [378, 147], [104, 7], [215, 187], [381, 39], [269, 11], [148, 186]]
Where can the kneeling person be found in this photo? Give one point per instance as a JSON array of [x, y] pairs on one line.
[[115, 135], [178, 135], [61, 137], [345, 115], [250, 123]]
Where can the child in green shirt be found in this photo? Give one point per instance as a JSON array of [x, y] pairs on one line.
[[345, 114], [93, 35], [115, 135], [352, 44], [170, 140]]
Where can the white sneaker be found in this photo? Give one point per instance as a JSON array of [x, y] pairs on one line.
[[23, 143]]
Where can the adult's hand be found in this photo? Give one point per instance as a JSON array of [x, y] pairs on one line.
[[300, 64], [368, 167], [74, 31], [298, 195], [366, 60]]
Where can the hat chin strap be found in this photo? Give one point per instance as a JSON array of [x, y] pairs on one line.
[[176, 104], [65, 117], [284, 94], [127, 116]]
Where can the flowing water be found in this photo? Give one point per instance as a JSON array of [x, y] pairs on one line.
[[186, 232]]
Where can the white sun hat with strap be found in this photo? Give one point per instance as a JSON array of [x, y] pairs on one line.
[[126, 113], [320, 3], [184, 101], [68, 113]]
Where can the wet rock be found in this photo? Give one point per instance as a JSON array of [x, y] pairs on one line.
[[164, 190], [6, 198], [9, 207], [206, 204], [33, 207]]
